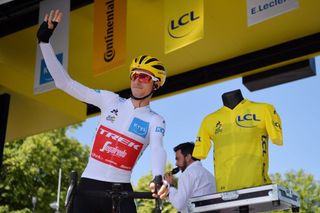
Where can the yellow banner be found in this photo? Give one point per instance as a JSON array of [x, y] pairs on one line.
[[109, 35], [183, 23]]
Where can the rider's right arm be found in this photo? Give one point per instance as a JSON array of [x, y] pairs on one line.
[[158, 152], [64, 82]]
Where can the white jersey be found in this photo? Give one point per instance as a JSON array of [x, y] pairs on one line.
[[123, 131]]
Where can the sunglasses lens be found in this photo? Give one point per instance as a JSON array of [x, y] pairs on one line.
[[144, 78]]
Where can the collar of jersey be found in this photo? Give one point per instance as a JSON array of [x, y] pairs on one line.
[[130, 105], [240, 105]]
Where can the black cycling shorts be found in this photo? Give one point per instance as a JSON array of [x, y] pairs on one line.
[[85, 200]]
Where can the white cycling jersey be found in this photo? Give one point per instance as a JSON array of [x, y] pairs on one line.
[[123, 131]]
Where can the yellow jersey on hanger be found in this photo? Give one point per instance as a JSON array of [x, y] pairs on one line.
[[240, 138]]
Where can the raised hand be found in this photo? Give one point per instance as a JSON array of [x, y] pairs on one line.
[[49, 24]]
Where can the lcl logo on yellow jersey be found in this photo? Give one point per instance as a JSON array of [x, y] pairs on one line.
[[247, 120], [182, 26]]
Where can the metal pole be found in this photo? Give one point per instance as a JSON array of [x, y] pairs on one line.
[[34, 202], [59, 186]]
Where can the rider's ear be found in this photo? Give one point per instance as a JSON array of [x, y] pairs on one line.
[[156, 86]]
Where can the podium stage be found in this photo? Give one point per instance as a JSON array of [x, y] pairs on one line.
[[257, 199]]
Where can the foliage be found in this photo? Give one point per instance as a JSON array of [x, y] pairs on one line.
[[144, 205], [31, 168], [5, 209], [305, 185]]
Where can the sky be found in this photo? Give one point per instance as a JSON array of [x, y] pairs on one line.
[[296, 102]]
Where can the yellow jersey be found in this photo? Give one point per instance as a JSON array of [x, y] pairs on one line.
[[240, 138]]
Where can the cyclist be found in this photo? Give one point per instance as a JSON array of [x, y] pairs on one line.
[[125, 129]]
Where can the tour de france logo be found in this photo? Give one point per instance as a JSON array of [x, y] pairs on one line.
[[218, 128], [112, 117]]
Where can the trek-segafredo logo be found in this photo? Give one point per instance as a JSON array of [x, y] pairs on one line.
[[247, 120], [139, 127], [112, 136], [183, 25], [113, 150]]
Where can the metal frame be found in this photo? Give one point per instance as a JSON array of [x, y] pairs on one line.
[[258, 199]]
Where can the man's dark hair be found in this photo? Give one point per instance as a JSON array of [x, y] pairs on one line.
[[186, 148]]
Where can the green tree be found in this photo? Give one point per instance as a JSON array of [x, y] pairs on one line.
[[144, 205], [31, 168], [305, 185]]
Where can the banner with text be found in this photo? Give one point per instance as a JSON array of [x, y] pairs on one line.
[[261, 10], [183, 23], [43, 81], [109, 35]]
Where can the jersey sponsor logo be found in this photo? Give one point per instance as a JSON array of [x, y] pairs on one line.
[[111, 118], [264, 144], [276, 124], [113, 148], [247, 120], [181, 27], [160, 129], [139, 127]]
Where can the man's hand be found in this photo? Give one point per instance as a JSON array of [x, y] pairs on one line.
[[162, 192], [49, 24], [170, 179]]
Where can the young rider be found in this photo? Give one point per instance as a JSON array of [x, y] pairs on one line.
[[126, 127]]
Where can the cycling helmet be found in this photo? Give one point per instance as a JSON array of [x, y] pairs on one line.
[[151, 64]]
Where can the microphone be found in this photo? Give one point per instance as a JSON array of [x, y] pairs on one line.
[[175, 171]]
